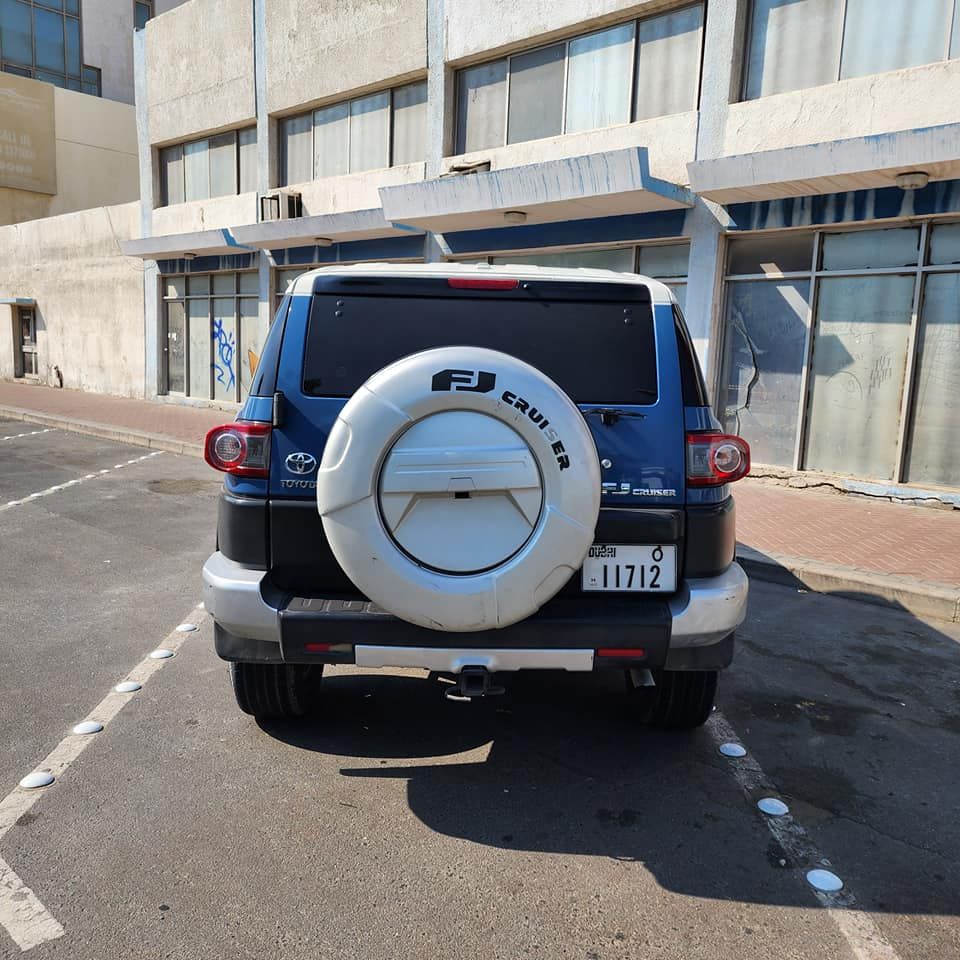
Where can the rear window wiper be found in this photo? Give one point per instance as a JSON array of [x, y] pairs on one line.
[[610, 415]]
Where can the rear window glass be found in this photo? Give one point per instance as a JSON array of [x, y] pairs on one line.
[[598, 352]]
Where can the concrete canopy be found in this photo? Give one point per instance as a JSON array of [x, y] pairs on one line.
[[860, 163], [303, 231], [204, 243], [573, 188]]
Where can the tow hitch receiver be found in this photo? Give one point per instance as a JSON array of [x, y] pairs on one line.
[[472, 682]]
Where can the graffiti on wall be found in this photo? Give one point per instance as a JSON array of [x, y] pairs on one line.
[[224, 349]]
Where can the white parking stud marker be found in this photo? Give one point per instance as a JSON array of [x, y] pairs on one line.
[[22, 915], [864, 938], [732, 750], [824, 880], [39, 778], [161, 654], [87, 727], [772, 807], [186, 628]]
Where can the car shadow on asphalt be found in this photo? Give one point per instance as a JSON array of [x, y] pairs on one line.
[[556, 767]]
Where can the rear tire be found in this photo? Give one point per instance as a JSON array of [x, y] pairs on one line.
[[275, 691], [680, 699]]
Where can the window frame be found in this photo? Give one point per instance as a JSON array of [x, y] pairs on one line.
[[164, 189], [815, 275], [65, 79], [210, 296], [952, 24], [391, 126], [460, 132], [150, 15]]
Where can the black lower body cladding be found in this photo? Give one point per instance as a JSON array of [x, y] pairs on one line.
[[286, 536]]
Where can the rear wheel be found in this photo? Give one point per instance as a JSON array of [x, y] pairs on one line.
[[679, 699], [275, 691]]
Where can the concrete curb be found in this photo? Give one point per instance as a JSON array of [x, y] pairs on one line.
[[921, 597], [137, 438]]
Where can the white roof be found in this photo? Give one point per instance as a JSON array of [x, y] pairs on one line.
[[303, 285]]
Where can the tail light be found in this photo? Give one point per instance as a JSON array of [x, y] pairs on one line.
[[482, 283], [716, 458], [242, 449]]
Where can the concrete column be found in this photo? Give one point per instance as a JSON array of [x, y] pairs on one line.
[[439, 97], [722, 59], [148, 189], [265, 145], [704, 224]]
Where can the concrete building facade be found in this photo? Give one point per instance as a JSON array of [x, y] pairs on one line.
[[792, 170], [70, 305]]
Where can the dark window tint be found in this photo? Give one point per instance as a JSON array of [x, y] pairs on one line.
[[265, 379], [48, 31], [691, 379], [142, 12], [585, 346]]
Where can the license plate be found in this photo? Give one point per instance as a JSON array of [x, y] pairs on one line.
[[631, 568]]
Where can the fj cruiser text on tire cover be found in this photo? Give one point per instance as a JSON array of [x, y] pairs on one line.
[[476, 470]]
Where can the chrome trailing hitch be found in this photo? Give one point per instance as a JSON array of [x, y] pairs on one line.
[[472, 682]]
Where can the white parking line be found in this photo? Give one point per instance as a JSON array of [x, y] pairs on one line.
[[22, 915], [25, 918], [862, 935], [71, 483], [32, 433]]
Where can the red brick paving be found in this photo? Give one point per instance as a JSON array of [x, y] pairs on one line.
[[175, 421], [912, 541]]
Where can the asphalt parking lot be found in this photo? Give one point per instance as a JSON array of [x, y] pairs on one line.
[[395, 824]]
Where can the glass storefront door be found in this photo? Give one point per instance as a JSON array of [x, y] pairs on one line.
[[213, 334], [27, 342], [842, 351]]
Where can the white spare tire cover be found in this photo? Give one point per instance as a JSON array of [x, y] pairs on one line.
[[459, 489]]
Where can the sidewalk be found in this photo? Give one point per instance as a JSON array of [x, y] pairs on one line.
[[873, 550], [830, 542], [161, 426]]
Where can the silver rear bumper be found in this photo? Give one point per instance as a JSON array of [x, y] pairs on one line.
[[704, 612]]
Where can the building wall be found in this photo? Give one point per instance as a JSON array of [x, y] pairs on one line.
[[899, 100], [96, 159], [671, 142], [332, 48], [107, 28], [89, 298], [209, 214], [479, 27], [286, 58], [200, 70]]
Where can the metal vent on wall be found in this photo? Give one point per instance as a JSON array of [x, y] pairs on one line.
[[466, 169], [280, 205]]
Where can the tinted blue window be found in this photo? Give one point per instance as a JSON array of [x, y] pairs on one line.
[[48, 28], [73, 47], [57, 79], [15, 32], [141, 14]]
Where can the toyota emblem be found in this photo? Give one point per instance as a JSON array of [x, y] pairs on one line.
[[301, 463]]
